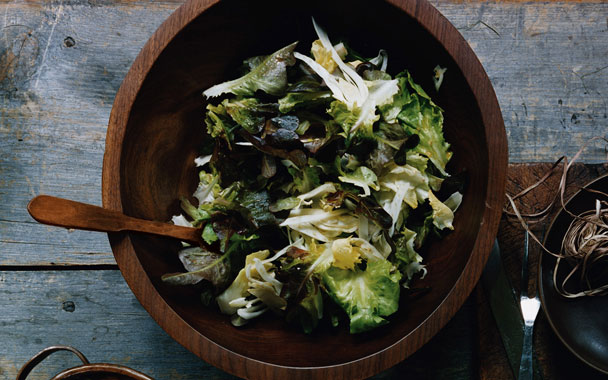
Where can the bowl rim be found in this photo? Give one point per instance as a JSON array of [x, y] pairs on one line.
[[496, 141]]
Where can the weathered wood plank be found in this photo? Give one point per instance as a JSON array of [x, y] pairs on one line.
[[60, 67], [555, 360], [62, 62], [108, 325], [548, 63]]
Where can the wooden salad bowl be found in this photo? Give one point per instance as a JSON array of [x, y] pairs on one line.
[[156, 127]]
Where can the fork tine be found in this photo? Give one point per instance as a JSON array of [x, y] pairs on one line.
[[524, 267]]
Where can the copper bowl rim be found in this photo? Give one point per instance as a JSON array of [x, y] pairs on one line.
[[99, 368]]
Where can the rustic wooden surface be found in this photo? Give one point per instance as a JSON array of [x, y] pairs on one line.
[[61, 64], [96, 312], [555, 360]]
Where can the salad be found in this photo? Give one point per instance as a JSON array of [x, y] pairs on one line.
[[323, 178]]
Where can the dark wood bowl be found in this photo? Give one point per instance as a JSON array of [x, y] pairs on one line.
[[155, 128]]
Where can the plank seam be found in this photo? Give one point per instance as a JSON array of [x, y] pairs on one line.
[[57, 267]]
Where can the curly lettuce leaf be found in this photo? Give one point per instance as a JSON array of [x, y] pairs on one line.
[[442, 214], [309, 311], [407, 259], [269, 76], [240, 285], [362, 177], [367, 296], [209, 235], [218, 123], [298, 100], [201, 265], [423, 117], [247, 112], [304, 180]]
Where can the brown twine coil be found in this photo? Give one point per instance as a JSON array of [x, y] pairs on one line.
[[585, 244]]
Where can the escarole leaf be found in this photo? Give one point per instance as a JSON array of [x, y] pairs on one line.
[[346, 255], [362, 177], [406, 256], [248, 112], [442, 214], [350, 75], [380, 93], [344, 116], [240, 285], [323, 56], [367, 296], [269, 76], [304, 180], [218, 123], [423, 117], [309, 311], [400, 186], [302, 100]]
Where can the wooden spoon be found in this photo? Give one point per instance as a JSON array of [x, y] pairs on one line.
[[70, 214]]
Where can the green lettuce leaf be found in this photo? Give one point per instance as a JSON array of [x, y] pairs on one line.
[[218, 123], [407, 259], [247, 112], [304, 180], [363, 177], [365, 295], [208, 234], [285, 204], [309, 310], [442, 214], [423, 117], [343, 116], [303, 100], [269, 76]]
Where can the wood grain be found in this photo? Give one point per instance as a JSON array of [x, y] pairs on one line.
[[108, 325], [545, 59], [93, 311], [55, 101], [548, 65], [555, 360], [536, 55]]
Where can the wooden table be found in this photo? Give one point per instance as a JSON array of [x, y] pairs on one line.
[[61, 64]]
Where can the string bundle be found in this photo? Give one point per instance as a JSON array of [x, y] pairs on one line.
[[585, 244], [585, 248]]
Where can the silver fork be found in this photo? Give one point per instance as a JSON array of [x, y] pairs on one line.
[[529, 310]]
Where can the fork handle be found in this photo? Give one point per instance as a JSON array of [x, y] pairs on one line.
[[525, 366]]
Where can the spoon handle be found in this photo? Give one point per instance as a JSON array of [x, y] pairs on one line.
[[71, 214]]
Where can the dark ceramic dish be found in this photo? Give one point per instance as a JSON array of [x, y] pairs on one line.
[[579, 323], [155, 127]]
